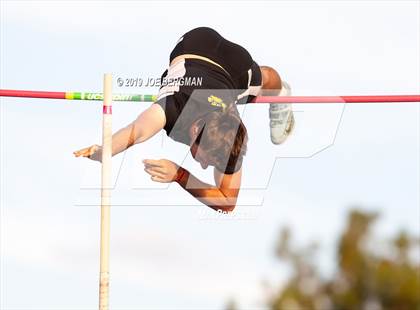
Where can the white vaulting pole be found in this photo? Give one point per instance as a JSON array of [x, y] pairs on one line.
[[105, 192]]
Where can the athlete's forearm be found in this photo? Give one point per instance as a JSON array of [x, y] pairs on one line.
[[208, 194], [147, 124], [124, 138]]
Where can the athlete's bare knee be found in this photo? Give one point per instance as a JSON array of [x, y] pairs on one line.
[[270, 78]]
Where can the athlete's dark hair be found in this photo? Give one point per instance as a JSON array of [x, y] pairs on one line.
[[223, 136]]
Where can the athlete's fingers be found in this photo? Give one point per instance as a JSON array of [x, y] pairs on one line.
[[152, 162], [156, 169], [148, 171], [157, 179], [86, 152], [82, 152], [154, 173], [79, 152]]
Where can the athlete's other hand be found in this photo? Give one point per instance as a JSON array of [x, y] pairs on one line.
[[162, 170], [93, 152]]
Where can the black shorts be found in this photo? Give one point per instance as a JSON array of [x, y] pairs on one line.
[[235, 59]]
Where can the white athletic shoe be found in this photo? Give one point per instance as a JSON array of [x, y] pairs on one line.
[[281, 117]]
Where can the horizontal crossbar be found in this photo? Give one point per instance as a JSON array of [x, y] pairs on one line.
[[262, 99]]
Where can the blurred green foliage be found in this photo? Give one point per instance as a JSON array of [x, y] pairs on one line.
[[370, 274]]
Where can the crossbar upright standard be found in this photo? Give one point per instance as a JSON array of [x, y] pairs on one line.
[[105, 193]]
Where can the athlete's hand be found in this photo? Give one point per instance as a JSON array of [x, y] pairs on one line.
[[162, 170], [93, 152]]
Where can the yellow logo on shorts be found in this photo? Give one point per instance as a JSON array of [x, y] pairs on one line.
[[216, 102]]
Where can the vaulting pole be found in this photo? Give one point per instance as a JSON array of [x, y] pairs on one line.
[[105, 192], [263, 99]]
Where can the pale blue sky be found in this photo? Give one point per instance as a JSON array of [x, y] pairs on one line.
[[166, 252]]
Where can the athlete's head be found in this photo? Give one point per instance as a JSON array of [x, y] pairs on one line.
[[220, 140]]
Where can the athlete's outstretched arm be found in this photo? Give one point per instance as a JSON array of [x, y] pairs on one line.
[[147, 124], [222, 196]]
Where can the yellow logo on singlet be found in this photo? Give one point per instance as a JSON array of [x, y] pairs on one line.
[[216, 102]]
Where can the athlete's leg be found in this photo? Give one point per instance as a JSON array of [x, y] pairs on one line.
[[281, 115], [271, 81]]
